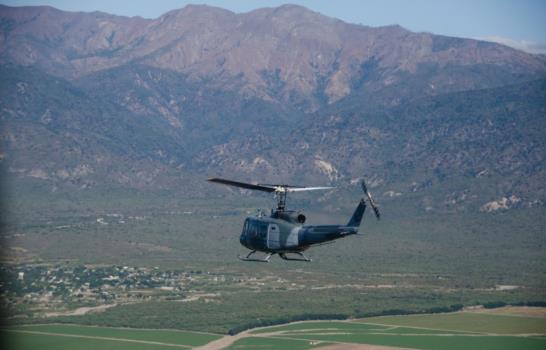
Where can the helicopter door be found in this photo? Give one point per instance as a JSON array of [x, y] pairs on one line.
[[273, 239]]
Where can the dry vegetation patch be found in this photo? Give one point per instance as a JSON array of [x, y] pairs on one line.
[[523, 311]]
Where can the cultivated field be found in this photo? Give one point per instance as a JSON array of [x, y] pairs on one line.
[[503, 328], [58, 337], [483, 330]]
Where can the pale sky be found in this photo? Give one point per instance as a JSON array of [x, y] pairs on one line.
[[517, 23]]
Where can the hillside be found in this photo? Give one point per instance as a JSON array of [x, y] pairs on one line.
[[95, 101]]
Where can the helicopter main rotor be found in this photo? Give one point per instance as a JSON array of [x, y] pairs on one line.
[[280, 191]]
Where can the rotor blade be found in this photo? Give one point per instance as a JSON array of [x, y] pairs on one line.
[[366, 192], [279, 185], [242, 184], [376, 212], [370, 199], [300, 189], [292, 188], [364, 187]]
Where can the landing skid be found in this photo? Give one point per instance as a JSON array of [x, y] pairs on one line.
[[248, 257], [269, 255], [303, 257]]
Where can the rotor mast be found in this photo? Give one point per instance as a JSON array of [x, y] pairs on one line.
[[281, 199]]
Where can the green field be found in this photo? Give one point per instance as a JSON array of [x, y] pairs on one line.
[[460, 330], [469, 322], [271, 343], [83, 337]]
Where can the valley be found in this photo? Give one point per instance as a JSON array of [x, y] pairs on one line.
[[111, 125]]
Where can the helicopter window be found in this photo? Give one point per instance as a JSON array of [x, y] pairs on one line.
[[263, 230], [245, 227], [256, 229], [253, 229]]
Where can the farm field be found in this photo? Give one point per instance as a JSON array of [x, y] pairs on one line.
[[84, 337], [488, 329], [503, 328]]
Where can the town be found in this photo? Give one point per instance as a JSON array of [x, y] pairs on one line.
[[55, 290]]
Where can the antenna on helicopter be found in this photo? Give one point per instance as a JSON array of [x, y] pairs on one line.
[[370, 200]]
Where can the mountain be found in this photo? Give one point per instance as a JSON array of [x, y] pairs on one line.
[[92, 100], [287, 53]]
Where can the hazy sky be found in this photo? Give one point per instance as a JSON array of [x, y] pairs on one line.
[[518, 23]]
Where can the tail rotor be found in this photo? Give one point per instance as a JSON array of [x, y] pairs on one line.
[[370, 200]]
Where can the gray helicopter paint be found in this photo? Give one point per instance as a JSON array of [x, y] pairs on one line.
[[273, 235], [293, 238]]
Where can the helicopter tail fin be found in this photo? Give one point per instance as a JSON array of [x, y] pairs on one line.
[[357, 215]]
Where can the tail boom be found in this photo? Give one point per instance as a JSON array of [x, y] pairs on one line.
[[358, 214]]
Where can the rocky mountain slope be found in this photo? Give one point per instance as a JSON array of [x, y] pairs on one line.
[[287, 53], [92, 100]]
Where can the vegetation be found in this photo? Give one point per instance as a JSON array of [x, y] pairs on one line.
[[234, 312], [407, 263]]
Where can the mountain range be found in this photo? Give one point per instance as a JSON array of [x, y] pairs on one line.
[[92, 101]]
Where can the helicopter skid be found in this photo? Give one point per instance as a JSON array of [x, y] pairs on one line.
[[303, 257], [248, 257]]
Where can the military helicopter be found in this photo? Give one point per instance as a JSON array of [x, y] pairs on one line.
[[283, 231]]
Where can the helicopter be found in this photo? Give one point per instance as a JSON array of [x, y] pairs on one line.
[[283, 231]]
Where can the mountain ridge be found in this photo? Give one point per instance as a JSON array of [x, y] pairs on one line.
[[273, 94], [203, 41]]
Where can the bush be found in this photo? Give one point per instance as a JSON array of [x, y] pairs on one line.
[[494, 304]]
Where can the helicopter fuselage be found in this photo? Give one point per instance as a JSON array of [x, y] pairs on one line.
[[282, 233]]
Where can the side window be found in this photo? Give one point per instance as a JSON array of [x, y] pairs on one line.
[[245, 227], [263, 230], [253, 228]]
